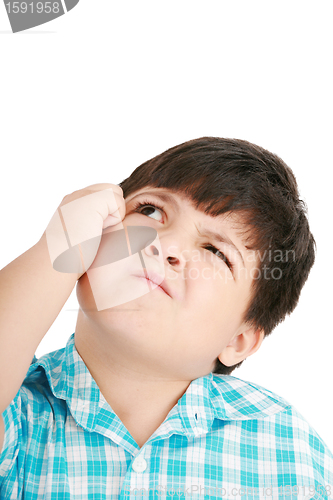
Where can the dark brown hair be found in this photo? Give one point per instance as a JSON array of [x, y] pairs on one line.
[[234, 176]]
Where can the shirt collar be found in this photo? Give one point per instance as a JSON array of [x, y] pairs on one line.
[[210, 397], [69, 379], [226, 398]]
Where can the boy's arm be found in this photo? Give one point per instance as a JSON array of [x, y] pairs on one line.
[[32, 294]]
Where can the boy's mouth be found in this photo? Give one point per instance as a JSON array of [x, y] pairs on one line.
[[156, 279]]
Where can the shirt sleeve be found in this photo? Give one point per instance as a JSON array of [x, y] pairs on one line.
[[15, 433], [13, 436]]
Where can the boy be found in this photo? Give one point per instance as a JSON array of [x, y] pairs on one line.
[[140, 403]]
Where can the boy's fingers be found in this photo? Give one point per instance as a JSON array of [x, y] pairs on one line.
[[74, 232]]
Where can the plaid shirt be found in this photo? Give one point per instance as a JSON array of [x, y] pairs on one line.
[[225, 438]]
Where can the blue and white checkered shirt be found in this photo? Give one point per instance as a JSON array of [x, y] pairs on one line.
[[224, 439]]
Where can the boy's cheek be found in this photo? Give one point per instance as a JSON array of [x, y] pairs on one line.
[[114, 284]]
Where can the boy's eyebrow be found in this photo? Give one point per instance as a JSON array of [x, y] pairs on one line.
[[222, 238]]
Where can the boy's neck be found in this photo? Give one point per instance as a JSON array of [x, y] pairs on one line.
[[142, 402]]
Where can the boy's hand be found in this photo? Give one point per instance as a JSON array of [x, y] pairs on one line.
[[74, 233]]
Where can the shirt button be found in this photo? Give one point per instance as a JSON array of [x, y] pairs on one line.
[[139, 464]]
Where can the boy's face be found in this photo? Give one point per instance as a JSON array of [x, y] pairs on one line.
[[178, 334]]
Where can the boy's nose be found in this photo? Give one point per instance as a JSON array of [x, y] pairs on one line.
[[167, 253]]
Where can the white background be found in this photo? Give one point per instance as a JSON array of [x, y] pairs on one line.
[[89, 96]]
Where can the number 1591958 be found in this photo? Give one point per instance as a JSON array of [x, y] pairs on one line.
[[39, 7]]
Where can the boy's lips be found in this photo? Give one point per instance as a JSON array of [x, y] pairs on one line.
[[157, 279]]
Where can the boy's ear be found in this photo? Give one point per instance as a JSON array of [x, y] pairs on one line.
[[241, 346]]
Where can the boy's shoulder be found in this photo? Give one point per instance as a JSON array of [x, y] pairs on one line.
[[50, 370], [63, 373], [237, 399], [61, 380], [261, 411]]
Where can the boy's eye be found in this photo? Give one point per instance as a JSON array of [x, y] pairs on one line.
[[148, 210], [220, 254]]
